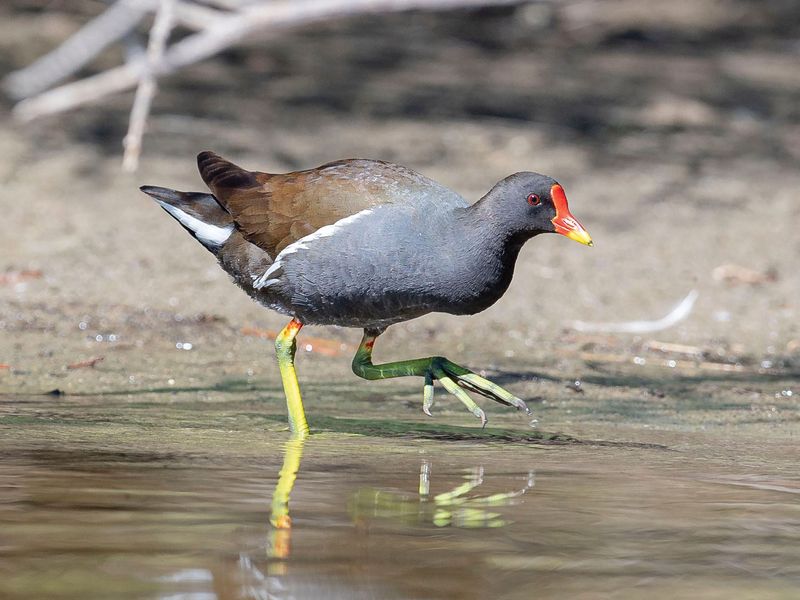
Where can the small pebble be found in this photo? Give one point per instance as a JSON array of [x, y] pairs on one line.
[[575, 386]]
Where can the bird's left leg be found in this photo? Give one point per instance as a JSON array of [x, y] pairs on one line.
[[452, 376]]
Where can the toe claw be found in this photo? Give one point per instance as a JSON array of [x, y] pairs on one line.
[[478, 412], [520, 404]]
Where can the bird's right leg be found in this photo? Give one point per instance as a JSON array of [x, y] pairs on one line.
[[285, 347], [453, 377]]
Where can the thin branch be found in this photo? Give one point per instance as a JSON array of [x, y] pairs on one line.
[[228, 4], [147, 85], [116, 23], [196, 17], [285, 15], [80, 92], [225, 32], [89, 41]]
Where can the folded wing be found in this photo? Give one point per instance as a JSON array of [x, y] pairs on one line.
[[273, 211]]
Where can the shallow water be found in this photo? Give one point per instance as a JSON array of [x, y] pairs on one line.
[[165, 499]]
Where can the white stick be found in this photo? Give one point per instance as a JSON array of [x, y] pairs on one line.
[[162, 25], [676, 315]]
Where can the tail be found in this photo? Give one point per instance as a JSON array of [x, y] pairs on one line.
[[199, 213], [230, 183]]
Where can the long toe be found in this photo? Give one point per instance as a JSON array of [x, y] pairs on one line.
[[488, 389], [452, 387]]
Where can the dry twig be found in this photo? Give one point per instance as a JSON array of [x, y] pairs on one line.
[[225, 25], [226, 32], [89, 362], [89, 41], [672, 348], [147, 85], [688, 365]]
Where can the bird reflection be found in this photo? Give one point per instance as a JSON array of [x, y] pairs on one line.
[[267, 575], [458, 507]]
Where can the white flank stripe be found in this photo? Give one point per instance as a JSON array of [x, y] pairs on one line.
[[209, 234], [302, 244], [264, 280]]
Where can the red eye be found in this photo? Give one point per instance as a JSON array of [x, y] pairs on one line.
[[534, 200]]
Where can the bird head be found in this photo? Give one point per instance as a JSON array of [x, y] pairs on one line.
[[532, 203]]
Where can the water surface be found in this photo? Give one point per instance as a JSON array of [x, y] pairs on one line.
[[170, 499]]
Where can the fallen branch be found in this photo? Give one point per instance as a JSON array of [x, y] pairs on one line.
[[90, 362], [224, 33], [77, 51], [672, 348], [591, 357], [115, 24]]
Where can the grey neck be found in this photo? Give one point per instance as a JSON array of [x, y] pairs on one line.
[[485, 225], [488, 250]]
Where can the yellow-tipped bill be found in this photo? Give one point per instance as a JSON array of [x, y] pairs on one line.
[[564, 222]]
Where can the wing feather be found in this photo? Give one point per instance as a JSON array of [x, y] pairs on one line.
[[273, 211]]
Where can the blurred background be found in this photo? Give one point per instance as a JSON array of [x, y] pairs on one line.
[[673, 126], [142, 421]]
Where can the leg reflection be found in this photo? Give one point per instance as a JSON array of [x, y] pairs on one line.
[[279, 543], [458, 507]]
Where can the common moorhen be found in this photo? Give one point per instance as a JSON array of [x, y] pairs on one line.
[[367, 243]]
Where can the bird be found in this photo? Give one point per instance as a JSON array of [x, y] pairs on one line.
[[367, 244]]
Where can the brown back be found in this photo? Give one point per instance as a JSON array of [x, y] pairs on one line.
[[275, 210]]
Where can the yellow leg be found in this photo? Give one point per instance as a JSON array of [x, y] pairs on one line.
[[285, 346]]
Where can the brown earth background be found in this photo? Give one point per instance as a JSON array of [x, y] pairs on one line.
[[674, 127]]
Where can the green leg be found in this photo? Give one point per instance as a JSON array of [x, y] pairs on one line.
[[452, 377], [285, 346]]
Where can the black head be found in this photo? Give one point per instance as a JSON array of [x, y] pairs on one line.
[[531, 203]]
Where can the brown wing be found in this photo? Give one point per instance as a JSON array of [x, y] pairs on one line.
[[273, 211]]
